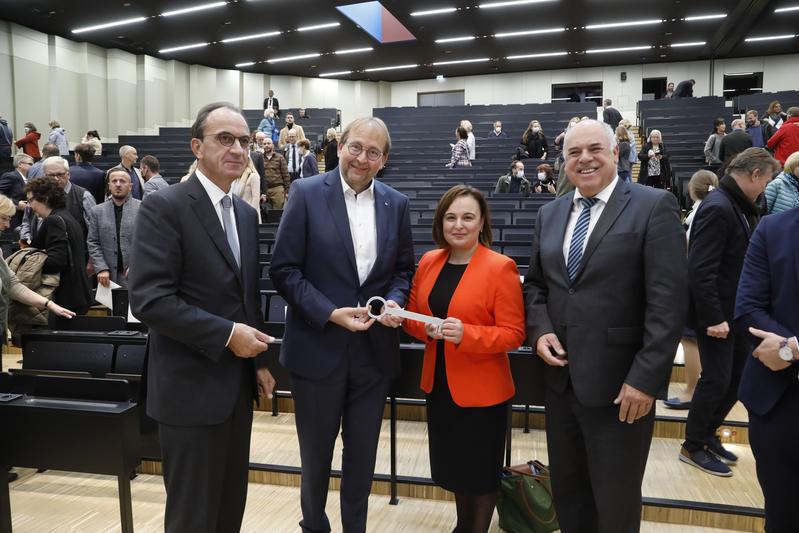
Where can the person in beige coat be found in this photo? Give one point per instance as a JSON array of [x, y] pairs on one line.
[[290, 125], [248, 187]]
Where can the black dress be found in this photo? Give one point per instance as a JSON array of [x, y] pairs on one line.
[[466, 443]]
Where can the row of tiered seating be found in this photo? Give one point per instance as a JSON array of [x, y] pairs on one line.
[[761, 101]]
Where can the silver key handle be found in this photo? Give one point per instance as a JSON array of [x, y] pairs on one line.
[[402, 313]]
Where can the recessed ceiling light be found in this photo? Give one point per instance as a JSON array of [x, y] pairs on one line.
[[622, 24], [319, 26], [434, 11], [491, 5], [683, 45], [705, 17], [192, 9], [532, 56], [786, 9], [354, 50], [623, 49], [184, 47], [110, 24], [248, 37], [457, 61], [741, 74], [292, 58], [527, 32], [340, 73], [394, 67], [456, 39], [247, 64], [769, 38]]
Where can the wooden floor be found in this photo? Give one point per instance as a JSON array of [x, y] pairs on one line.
[[60, 502]]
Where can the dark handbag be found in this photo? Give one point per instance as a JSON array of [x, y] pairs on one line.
[[524, 502]]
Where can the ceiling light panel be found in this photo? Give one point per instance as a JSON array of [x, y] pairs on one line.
[[623, 24], [249, 37], [293, 58], [533, 56], [705, 17], [183, 47], [769, 38], [786, 9], [458, 61], [434, 12], [353, 50], [493, 5], [186, 10], [110, 24], [527, 32], [456, 39], [340, 73], [685, 45], [247, 64], [319, 26], [623, 49], [394, 67]]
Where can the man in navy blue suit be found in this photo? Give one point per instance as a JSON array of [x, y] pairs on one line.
[[767, 304], [343, 238]]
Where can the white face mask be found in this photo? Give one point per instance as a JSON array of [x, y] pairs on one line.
[[542, 176], [26, 130], [536, 129], [520, 173], [498, 129]]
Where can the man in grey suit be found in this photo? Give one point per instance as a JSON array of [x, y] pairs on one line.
[[606, 297], [194, 282], [111, 227]]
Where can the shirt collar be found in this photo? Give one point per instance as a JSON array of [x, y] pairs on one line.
[[603, 195], [211, 188], [68, 187], [369, 192]]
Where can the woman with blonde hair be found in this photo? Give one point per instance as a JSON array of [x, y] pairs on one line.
[[469, 139], [623, 165], [655, 169], [782, 193], [248, 187]]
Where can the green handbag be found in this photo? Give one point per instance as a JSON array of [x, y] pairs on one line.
[[525, 501]]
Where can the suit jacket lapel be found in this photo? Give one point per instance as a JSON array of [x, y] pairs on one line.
[[338, 209], [209, 220], [618, 199], [560, 219]]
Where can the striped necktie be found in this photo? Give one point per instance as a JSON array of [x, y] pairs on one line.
[[578, 237]]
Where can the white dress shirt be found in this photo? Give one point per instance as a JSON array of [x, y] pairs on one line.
[[363, 226], [216, 194], [596, 211]]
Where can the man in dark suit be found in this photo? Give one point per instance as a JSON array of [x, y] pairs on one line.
[[86, 175], [719, 237], [606, 298], [610, 115], [270, 102], [194, 282], [12, 185], [766, 304], [344, 237], [685, 89], [735, 142]]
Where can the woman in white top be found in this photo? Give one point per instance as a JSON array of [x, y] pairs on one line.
[[469, 139]]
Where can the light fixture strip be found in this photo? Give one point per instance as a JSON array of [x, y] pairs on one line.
[[492, 5], [192, 9], [292, 58], [533, 56], [683, 45], [247, 64], [340, 73], [394, 67], [705, 17], [456, 39], [528, 32], [319, 26], [110, 24], [623, 49], [623, 24], [786, 9], [741, 74], [184, 47], [434, 11], [353, 50], [248, 37], [458, 61], [769, 38]]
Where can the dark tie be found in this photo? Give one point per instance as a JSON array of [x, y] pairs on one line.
[[294, 157], [227, 222], [578, 237]]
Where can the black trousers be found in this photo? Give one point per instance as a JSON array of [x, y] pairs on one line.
[[773, 439], [351, 398], [716, 392], [597, 464], [206, 467]]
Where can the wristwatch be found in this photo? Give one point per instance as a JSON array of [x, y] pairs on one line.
[[785, 352]]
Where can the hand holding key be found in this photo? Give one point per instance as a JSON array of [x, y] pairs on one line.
[[399, 312]]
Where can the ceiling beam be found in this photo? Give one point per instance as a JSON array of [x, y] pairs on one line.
[[736, 26]]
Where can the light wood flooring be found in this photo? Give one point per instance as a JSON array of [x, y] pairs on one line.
[[60, 502]]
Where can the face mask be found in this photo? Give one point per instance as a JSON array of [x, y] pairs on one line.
[[498, 129], [520, 173], [542, 176], [536, 130], [26, 130]]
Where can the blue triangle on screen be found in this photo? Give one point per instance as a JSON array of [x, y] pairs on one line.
[[367, 15]]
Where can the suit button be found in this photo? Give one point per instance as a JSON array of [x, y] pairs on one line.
[[571, 291]]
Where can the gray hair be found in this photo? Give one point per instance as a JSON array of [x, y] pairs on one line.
[[364, 121], [651, 133], [20, 157], [56, 160], [753, 159], [124, 149], [7, 206], [606, 129], [738, 124]]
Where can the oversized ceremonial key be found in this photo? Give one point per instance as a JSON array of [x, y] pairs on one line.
[[402, 313]]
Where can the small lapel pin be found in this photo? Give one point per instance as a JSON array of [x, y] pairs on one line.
[[386, 204]]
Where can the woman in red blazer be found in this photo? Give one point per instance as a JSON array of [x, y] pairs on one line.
[[466, 371]]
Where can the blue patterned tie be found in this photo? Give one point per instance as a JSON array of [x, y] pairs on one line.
[[227, 223], [578, 237]]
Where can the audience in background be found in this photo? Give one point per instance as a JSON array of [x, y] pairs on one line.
[[713, 143], [289, 127], [12, 187], [719, 237], [478, 292], [460, 150], [655, 170], [302, 114], [610, 115], [330, 148], [150, 173], [58, 137], [267, 124], [782, 193], [684, 89], [734, 143], [702, 182], [92, 138], [470, 141], [545, 179], [534, 143], [48, 150], [257, 138], [248, 187], [627, 125], [292, 153], [497, 132], [271, 103], [755, 129], [308, 166], [128, 157], [111, 226], [775, 117], [85, 174], [623, 165], [669, 90], [514, 182], [60, 234], [29, 143], [275, 186], [79, 201], [6, 138], [564, 185], [786, 139]]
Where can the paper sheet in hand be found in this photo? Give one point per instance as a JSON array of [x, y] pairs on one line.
[[103, 295]]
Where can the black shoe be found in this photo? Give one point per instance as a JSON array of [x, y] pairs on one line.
[[726, 456], [676, 404], [12, 476]]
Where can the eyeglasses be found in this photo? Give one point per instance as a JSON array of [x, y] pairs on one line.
[[372, 154], [227, 139], [55, 175]]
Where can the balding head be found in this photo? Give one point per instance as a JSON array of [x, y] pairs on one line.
[[591, 154]]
